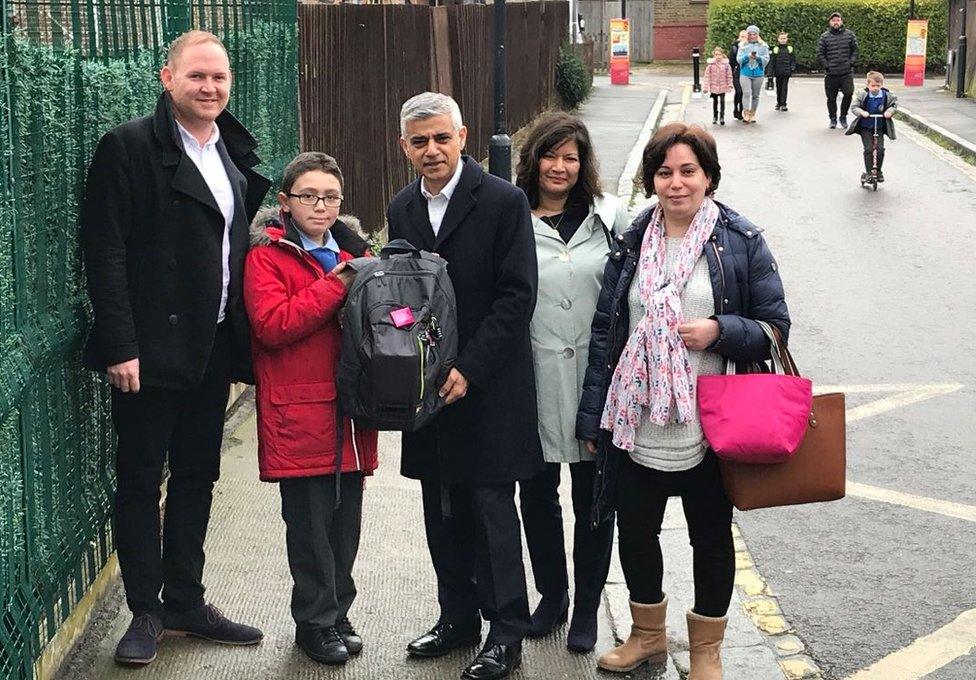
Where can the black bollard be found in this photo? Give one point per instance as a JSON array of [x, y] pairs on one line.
[[695, 64], [961, 56]]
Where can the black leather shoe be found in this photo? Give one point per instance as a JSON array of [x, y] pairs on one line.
[[550, 613], [349, 636], [843, 122], [443, 638], [494, 662], [323, 645], [138, 646]]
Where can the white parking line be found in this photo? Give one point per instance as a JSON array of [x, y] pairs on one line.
[[927, 654], [904, 395], [939, 507]]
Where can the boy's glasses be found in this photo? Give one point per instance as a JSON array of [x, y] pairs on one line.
[[331, 201]]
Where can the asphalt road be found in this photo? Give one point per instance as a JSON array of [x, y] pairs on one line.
[[881, 292]]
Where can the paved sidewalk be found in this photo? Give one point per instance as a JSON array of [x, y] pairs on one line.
[[247, 573], [934, 109]]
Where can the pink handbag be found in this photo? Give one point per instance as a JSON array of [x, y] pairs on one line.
[[756, 417]]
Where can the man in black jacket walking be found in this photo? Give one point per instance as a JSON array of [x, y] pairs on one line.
[[837, 53], [164, 233]]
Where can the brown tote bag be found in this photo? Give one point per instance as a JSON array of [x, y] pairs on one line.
[[817, 472]]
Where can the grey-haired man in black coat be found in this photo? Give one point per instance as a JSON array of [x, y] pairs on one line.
[[486, 437]]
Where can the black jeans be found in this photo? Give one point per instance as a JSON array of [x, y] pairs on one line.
[[477, 556], [642, 494], [188, 425], [782, 89], [867, 135], [543, 520], [718, 106], [843, 83], [737, 99], [322, 541]]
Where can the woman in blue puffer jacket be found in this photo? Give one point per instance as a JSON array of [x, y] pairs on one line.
[[753, 56], [682, 292]]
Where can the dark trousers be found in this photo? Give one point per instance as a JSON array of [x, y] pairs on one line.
[[782, 89], [843, 83], [642, 494], [322, 544], [867, 137], [718, 106], [543, 519], [737, 99], [477, 556], [187, 425]]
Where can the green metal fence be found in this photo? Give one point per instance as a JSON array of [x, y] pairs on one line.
[[69, 71]]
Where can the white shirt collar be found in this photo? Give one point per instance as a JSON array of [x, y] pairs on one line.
[[448, 190], [309, 244], [189, 139]]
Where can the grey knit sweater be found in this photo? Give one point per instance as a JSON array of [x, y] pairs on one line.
[[677, 446]]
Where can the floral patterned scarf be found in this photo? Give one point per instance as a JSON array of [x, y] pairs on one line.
[[654, 371]]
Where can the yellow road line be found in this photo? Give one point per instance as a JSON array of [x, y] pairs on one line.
[[927, 654]]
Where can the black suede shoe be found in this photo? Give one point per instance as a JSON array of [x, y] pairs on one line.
[[209, 623], [582, 629], [843, 122], [833, 123], [494, 662], [880, 177], [550, 613], [323, 645], [350, 638], [138, 646], [445, 637]]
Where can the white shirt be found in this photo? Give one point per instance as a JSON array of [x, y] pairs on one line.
[[208, 162], [437, 205]]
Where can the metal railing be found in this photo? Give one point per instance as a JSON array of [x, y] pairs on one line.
[[69, 71]]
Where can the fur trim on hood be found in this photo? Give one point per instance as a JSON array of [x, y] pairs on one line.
[[270, 218]]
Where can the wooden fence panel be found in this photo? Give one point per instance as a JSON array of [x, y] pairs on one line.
[[359, 63]]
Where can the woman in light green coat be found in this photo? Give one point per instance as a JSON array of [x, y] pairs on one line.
[[575, 225]]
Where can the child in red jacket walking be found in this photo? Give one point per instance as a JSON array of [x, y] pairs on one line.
[[295, 282], [718, 82]]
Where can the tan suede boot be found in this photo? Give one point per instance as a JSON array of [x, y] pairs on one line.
[[746, 116], [647, 640], [705, 635]]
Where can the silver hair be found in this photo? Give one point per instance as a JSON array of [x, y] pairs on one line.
[[427, 105]]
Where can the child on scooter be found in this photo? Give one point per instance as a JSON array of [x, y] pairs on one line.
[[875, 98]]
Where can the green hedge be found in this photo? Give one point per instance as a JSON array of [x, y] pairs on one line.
[[573, 82], [880, 26]]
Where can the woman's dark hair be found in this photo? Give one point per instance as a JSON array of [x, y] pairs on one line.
[[702, 143], [550, 132], [307, 162]]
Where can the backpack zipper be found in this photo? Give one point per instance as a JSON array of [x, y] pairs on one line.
[[423, 368]]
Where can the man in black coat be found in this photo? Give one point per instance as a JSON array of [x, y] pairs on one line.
[[486, 438], [164, 233], [837, 53]]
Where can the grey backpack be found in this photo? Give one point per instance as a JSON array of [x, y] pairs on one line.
[[399, 338]]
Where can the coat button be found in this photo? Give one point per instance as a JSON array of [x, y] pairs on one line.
[[566, 304], [748, 233], [172, 263], [173, 319], [725, 301], [176, 203], [569, 353], [564, 256], [721, 249]]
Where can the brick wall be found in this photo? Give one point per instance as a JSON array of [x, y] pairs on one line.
[[679, 25]]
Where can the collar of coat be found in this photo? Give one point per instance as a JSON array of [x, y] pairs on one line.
[[727, 219], [270, 226], [237, 140], [462, 202]]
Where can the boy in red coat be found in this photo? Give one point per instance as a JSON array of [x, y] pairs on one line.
[[295, 282]]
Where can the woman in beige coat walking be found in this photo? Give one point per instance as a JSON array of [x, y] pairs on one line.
[[574, 225]]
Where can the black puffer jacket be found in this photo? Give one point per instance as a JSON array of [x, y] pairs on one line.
[[837, 51], [746, 285], [782, 61]]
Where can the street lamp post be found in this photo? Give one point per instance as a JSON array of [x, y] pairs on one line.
[[961, 55], [911, 9], [500, 144], [695, 62]]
